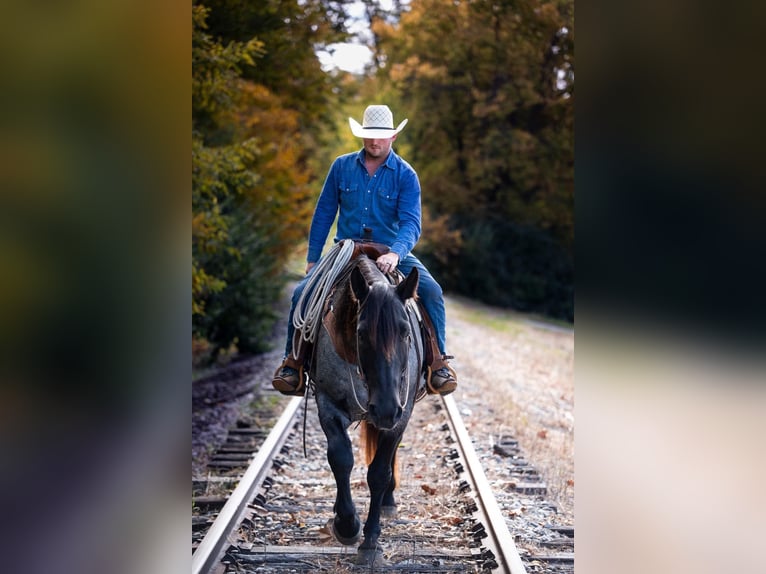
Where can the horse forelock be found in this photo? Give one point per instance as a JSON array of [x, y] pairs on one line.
[[381, 320]]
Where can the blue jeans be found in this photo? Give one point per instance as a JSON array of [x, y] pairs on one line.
[[429, 292]]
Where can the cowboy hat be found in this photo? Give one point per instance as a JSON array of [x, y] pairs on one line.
[[377, 123]]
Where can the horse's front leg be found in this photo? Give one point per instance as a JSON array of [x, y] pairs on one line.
[[346, 524], [380, 482], [388, 506]]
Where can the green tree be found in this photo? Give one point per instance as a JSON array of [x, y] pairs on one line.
[[249, 193], [217, 172], [260, 118], [291, 33]]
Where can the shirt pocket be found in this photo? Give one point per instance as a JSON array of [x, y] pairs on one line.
[[387, 201], [388, 195], [348, 194]]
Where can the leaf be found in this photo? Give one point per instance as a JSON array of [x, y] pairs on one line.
[[325, 532]]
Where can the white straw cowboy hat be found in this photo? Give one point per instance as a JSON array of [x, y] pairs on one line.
[[377, 123]]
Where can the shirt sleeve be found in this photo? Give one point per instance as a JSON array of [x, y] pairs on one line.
[[409, 214], [324, 215]]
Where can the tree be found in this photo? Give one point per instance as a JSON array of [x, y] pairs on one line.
[[249, 189], [491, 85], [217, 172]]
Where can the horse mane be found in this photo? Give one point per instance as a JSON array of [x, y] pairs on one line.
[[381, 325]]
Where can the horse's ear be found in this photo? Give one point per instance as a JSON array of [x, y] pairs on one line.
[[359, 285], [407, 288]]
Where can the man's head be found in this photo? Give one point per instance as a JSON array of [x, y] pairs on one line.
[[378, 148]]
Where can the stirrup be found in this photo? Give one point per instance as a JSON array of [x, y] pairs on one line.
[[449, 385], [283, 385]]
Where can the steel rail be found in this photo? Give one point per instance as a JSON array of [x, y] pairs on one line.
[[500, 541], [209, 551]]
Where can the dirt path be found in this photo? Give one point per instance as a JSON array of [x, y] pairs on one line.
[[517, 377]]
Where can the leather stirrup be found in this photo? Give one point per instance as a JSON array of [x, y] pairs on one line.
[[440, 363], [282, 385]]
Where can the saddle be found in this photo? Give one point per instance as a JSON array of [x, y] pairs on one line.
[[304, 362], [370, 249]]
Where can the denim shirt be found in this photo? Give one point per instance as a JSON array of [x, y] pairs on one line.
[[388, 203]]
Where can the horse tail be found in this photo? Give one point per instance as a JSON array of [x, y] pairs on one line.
[[369, 436], [395, 466]]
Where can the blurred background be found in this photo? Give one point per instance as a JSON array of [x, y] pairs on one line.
[[95, 248]]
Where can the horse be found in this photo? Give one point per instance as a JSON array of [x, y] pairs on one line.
[[367, 366]]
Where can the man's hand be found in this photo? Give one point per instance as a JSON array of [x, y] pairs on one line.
[[388, 262], [309, 267]]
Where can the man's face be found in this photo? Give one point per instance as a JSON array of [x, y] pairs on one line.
[[378, 148]]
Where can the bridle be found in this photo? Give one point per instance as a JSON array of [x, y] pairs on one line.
[[360, 370]]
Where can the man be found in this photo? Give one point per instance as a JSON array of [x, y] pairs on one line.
[[376, 195]]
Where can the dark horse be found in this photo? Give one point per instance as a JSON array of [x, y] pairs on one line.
[[367, 366]]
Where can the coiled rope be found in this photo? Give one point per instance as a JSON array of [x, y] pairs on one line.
[[307, 316]]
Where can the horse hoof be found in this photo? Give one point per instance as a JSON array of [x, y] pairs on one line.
[[388, 511], [372, 557], [346, 540]]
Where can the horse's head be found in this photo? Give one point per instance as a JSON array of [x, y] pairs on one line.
[[384, 339]]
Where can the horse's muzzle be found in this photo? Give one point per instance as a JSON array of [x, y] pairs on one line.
[[384, 418]]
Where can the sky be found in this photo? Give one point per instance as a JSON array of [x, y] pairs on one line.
[[347, 57], [352, 56]]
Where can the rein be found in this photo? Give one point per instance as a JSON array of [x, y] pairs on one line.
[[305, 411], [407, 369], [353, 387]]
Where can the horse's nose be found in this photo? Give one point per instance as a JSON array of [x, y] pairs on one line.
[[384, 419]]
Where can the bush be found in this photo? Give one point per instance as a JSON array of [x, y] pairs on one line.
[[242, 313], [510, 265]]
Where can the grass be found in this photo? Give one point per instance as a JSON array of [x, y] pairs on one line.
[[296, 265], [498, 318], [266, 401], [489, 319]]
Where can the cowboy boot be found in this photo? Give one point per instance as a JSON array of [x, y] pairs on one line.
[[289, 378], [441, 379]]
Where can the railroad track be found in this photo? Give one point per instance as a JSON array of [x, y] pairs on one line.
[[449, 519]]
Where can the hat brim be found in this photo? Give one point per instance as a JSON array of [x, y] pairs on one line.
[[374, 133]]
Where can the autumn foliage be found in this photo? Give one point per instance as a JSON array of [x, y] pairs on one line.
[[489, 91], [250, 193]]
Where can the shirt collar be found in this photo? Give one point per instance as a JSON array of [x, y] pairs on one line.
[[389, 163]]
